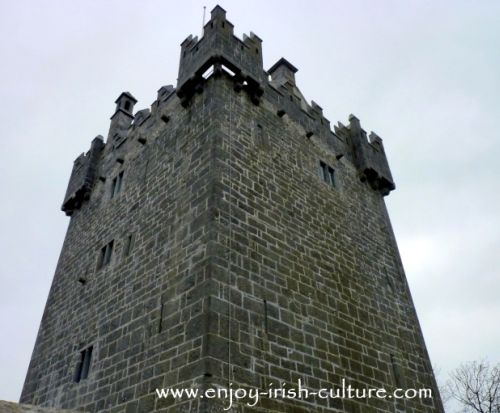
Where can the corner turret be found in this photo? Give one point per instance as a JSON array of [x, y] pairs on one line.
[[369, 156], [83, 177]]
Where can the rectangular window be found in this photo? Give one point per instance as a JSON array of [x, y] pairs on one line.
[[105, 255], [108, 253], [116, 185], [331, 174], [261, 138], [83, 366], [129, 245], [327, 173], [396, 371]]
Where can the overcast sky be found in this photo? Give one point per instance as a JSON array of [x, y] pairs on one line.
[[424, 75]]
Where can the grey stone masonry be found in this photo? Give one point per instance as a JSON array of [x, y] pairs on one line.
[[9, 407], [227, 237]]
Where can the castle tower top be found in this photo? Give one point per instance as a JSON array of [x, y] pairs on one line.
[[220, 49]]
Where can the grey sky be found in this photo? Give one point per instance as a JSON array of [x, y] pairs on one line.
[[424, 75]]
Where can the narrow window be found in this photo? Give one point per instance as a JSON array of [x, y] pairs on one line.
[[320, 170], [105, 255], [129, 245], [327, 173], [83, 366], [120, 181], [127, 105], [102, 254], [79, 366], [324, 171], [108, 253], [113, 187], [331, 176], [116, 185], [160, 321], [396, 371], [261, 138], [265, 317]]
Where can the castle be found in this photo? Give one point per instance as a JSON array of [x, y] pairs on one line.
[[228, 236]]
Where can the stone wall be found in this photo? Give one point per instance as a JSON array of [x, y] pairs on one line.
[[10, 407], [311, 285], [136, 310]]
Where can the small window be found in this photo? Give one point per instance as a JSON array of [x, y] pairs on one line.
[[116, 185], [261, 138], [397, 373], [83, 366], [105, 255], [327, 173], [129, 245], [127, 105]]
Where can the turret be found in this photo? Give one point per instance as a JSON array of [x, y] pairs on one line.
[[83, 177], [369, 157], [123, 116]]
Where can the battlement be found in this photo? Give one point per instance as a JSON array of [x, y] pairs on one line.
[[82, 176], [220, 52], [219, 48], [369, 155]]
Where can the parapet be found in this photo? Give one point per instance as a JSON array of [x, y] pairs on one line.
[[368, 155], [221, 49], [83, 176], [220, 52]]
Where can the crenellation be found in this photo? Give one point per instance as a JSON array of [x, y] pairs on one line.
[[164, 93], [369, 157], [140, 117], [83, 175], [219, 47]]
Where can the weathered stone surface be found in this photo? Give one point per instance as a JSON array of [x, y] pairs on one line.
[[250, 244], [10, 407]]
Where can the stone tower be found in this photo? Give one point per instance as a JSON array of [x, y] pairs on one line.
[[228, 237]]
